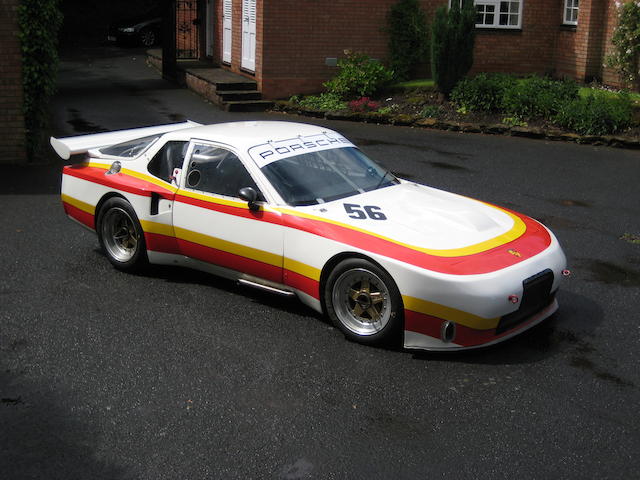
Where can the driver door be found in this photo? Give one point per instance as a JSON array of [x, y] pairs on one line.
[[214, 225]]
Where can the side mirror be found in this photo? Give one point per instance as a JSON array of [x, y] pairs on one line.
[[249, 195]]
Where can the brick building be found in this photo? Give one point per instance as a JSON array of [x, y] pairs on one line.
[[290, 47], [12, 145]]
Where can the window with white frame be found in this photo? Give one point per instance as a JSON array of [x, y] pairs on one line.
[[571, 12], [499, 13]]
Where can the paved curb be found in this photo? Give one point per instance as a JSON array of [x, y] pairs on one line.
[[433, 123]]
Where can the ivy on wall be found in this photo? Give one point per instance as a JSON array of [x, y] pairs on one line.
[[626, 41], [39, 22]]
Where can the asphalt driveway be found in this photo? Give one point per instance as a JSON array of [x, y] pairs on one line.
[[178, 374]]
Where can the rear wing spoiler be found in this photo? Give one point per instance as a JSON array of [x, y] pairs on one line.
[[65, 147]]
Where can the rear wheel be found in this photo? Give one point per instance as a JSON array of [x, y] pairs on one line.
[[147, 37], [363, 301], [121, 236]]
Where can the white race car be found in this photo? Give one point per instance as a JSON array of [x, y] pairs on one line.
[[297, 209]]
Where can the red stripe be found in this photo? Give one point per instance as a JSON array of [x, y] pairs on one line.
[[161, 243], [421, 323], [465, 336], [230, 260], [165, 244], [269, 217], [79, 215], [118, 181], [304, 284], [533, 241]]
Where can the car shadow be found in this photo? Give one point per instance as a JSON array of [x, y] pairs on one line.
[[568, 332], [184, 275]]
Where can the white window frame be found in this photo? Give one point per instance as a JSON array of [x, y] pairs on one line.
[[496, 13], [570, 6]]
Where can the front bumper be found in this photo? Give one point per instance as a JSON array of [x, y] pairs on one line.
[[468, 338]]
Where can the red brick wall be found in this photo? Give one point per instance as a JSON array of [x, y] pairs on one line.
[[295, 37], [236, 41], [609, 75], [528, 50], [580, 49], [12, 145], [300, 34]]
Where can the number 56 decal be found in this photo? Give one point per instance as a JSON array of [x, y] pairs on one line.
[[360, 213]]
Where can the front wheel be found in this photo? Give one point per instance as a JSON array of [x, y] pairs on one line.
[[121, 236], [363, 301]]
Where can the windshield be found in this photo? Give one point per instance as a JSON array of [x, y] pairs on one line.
[[319, 177], [131, 148]]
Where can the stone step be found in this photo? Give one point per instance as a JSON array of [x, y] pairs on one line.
[[223, 86], [248, 106], [238, 95]]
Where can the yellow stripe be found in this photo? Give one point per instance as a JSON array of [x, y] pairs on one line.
[[159, 228], [220, 201], [229, 247], [516, 231], [448, 313], [138, 175], [98, 165], [79, 204], [302, 268], [150, 179]]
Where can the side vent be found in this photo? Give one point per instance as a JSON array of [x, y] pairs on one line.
[[155, 201]]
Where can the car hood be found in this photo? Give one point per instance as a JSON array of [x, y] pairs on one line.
[[419, 216]]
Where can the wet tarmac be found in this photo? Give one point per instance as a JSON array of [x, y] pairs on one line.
[[177, 374]]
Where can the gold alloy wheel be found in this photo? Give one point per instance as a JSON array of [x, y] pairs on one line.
[[119, 234], [361, 301]]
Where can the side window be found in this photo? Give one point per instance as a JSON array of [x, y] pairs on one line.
[[219, 171], [168, 157]]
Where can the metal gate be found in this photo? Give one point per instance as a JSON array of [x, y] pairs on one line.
[[187, 29]]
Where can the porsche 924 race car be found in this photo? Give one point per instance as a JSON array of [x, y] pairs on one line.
[[297, 209]]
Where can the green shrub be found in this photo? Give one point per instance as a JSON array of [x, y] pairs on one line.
[[389, 109], [408, 38], [39, 22], [483, 93], [431, 111], [538, 97], [324, 101], [358, 76], [452, 41], [596, 114]]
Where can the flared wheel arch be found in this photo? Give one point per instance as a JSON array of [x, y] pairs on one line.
[[99, 211], [332, 263]]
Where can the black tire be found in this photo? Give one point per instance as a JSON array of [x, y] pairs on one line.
[[148, 37], [363, 301], [121, 236]]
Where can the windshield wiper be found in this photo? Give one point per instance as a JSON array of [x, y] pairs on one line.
[[386, 172]]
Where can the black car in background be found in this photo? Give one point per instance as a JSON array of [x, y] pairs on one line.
[[143, 29]]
